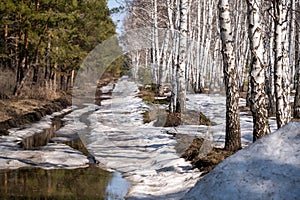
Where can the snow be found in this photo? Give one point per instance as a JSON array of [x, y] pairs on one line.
[[145, 155], [48, 157], [141, 152], [268, 169], [213, 106]]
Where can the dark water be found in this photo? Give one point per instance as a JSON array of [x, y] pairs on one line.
[[41, 139], [36, 183]]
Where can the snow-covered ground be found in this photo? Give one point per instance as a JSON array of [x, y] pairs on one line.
[[50, 156], [213, 106], [145, 154], [141, 152], [114, 133], [268, 169]]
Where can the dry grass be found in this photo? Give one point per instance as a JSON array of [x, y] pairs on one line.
[[205, 163], [7, 82], [11, 108], [39, 93]]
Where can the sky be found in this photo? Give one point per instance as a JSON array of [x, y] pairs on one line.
[[117, 18]]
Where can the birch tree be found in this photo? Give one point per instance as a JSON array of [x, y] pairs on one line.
[[257, 71], [281, 68], [183, 29], [233, 132], [297, 63]]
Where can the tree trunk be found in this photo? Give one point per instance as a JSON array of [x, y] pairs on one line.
[[233, 131], [22, 64], [257, 71], [281, 71], [155, 44], [297, 68], [182, 57], [291, 32], [297, 95], [175, 55]]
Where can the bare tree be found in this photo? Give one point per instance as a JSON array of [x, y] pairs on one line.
[[257, 71], [233, 131], [182, 57], [297, 63], [281, 69]]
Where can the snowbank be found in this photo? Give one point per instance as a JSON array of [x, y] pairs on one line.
[[268, 169]]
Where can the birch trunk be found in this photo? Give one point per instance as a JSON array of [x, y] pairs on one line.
[[233, 131], [297, 68], [182, 57], [175, 55], [155, 46], [270, 87], [291, 49], [198, 76], [257, 71], [281, 71]]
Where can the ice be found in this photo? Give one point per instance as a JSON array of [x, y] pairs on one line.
[[213, 106], [144, 154], [107, 88]]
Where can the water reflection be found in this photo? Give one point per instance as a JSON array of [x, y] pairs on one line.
[[41, 139], [36, 183]]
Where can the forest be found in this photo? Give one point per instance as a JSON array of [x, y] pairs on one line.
[[43, 43], [176, 103], [244, 49]]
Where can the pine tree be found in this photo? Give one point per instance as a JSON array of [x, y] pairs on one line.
[[46, 41]]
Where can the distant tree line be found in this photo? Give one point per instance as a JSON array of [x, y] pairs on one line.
[[43, 42]]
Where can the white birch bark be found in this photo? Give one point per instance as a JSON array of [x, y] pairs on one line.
[[198, 75], [292, 27], [257, 71], [155, 45], [175, 60], [201, 46], [297, 66], [281, 71], [182, 57], [270, 87], [233, 132]]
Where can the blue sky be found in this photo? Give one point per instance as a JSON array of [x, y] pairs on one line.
[[116, 17]]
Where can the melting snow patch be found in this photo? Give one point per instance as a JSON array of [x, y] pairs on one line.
[[144, 154], [268, 169]]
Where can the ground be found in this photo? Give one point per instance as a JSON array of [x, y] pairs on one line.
[[164, 118], [148, 156], [206, 162], [15, 112]]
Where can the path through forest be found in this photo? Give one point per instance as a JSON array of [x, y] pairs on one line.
[[145, 154], [115, 135]]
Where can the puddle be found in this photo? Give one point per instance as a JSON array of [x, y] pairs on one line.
[[84, 183], [43, 138], [36, 183]]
